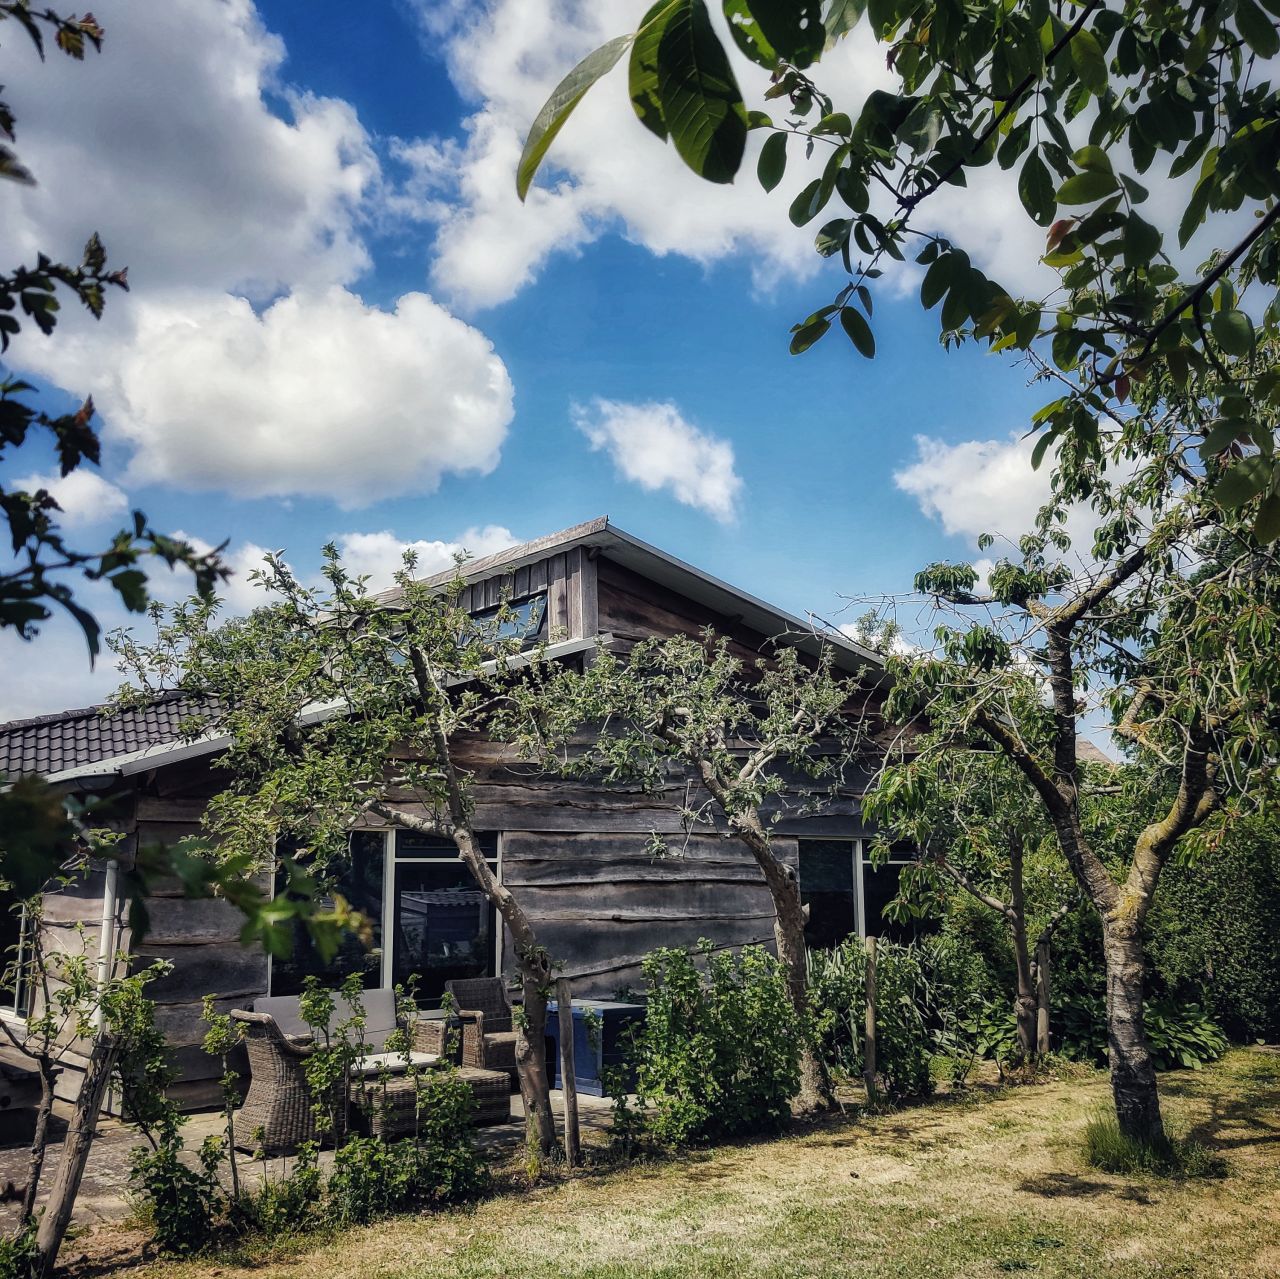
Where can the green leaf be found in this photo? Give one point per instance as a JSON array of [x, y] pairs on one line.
[[1233, 331], [843, 16], [788, 29], [1266, 527], [859, 332], [937, 279], [1086, 187], [773, 161], [1090, 62], [1042, 445], [700, 99], [560, 105], [1094, 158], [808, 204], [807, 335], [1243, 482], [1195, 210], [1035, 189], [1260, 32], [642, 72]]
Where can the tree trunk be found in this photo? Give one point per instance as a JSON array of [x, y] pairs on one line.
[[39, 1141], [568, 1072], [1024, 1004], [531, 1058], [75, 1154], [788, 930], [1133, 1075]]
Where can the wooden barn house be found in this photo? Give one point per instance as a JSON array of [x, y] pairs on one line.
[[576, 854]]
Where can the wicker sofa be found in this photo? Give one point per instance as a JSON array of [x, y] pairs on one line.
[[278, 1112]]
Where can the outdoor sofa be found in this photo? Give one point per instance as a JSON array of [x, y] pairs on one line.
[[278, 1113]]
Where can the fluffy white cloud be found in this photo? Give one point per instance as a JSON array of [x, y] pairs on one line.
[[988, 486], [85, 497], [165, 144], [507, 56], [239, 189], [381, 555], [653, 445], [976, 486], [320, 395]]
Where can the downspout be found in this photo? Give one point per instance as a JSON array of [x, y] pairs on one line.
[[106, 938]]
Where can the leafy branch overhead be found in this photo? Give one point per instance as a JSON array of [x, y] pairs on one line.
[[1088, 102]]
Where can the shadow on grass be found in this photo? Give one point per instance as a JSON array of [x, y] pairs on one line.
[[1070, 1185], [1234, 1122]]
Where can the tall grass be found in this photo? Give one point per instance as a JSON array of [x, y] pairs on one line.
[[1107, 1148]]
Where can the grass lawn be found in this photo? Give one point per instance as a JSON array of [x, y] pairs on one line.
[[985, 1186]]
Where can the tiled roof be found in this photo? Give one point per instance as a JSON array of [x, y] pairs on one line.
[[71, 739]]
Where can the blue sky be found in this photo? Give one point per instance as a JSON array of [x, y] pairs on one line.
[[344, 326]]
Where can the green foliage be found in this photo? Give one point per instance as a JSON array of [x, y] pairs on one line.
[[18, 1255], [717, 1055], [181, 1202], [287, 1205], [837, 989], [1182, 1036], [1106, 1147], [1214, 934]]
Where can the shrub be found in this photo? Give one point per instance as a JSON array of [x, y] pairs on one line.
[[1183, 1036], [181, 1202], [284, 1205], [18, 1256], [717, 1055], [1106, 1147], [837, 990]]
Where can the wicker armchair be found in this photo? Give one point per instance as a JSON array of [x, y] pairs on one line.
[[278, 1112], [481, 1004]]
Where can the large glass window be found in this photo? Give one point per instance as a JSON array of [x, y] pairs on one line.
[[359, 878], [828, 888], [443, 926], [15, 955]]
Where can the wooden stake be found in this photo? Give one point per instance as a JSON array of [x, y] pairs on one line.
[[568, 1081], [1042, 999], [869, 1047]]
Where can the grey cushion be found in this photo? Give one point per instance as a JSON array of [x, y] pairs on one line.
[[372, 1064], [379, 1013]]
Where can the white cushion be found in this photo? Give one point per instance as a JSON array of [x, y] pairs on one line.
[[395, 1064]]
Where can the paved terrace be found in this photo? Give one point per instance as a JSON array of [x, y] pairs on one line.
[[104, 1194]]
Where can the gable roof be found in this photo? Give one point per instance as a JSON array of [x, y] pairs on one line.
[[71, 739], [649, 561]]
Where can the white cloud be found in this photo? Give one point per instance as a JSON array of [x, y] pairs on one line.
[[988, 486], [976, 486], [319, 396], [653, 445], [237, 189], [165, 144], [381, 555], [84, 496]]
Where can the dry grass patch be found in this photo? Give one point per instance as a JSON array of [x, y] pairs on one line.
[[953, 1188]]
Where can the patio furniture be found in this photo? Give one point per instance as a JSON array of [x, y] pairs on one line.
[[481, 1004], [278, 1112], [391, 1105]]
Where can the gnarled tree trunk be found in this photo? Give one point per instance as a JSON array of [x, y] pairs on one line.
[[1133, 1073]]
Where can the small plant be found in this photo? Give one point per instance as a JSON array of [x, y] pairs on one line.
[[18, 1253], [1182, 1037], [182, 1203], [285, 1205], [1107, 1148]]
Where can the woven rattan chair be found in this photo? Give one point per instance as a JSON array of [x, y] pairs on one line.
[[481, 1004], [278, 1113]]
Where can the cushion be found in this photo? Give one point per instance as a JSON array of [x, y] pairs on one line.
[[371, 1065], [379, 1015]]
